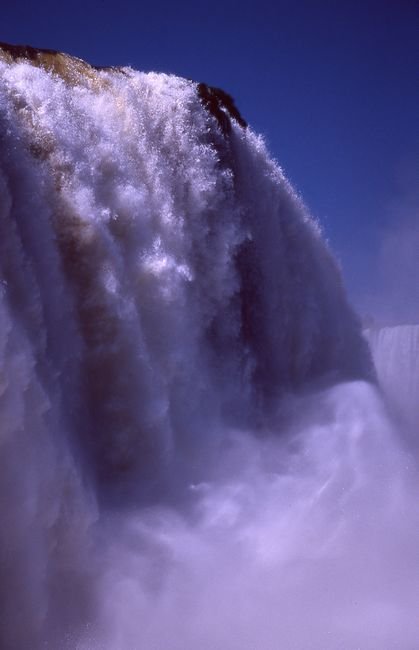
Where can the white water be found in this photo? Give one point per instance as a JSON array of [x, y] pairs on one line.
[[191, 456]]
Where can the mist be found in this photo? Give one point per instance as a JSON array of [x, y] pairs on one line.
[[307, 542], [390, 295]]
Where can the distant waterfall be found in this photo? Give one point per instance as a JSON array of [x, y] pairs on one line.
[[190, 449], [395, 352]]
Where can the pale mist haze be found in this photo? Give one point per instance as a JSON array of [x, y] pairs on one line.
[[390, 295], [398, 270], [195, 452], [309, 547]]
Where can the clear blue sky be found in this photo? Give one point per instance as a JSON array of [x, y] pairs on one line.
[[333, 85]]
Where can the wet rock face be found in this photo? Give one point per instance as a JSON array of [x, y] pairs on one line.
[[49, 59], [70, 68], [43, 57], [26, 52]]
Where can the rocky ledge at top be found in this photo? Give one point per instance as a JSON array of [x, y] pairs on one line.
[[72, 69]]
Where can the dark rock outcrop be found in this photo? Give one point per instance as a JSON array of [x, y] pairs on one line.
[[221, 105]]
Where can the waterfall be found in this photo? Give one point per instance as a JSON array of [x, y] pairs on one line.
[[395, 351], [190, 445]]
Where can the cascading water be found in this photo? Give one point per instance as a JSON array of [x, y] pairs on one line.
[[395, 351], [191, 455]]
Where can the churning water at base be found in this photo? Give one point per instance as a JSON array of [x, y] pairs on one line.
[[191, 453]]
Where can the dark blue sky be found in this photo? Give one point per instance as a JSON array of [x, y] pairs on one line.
[[333, 85]]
